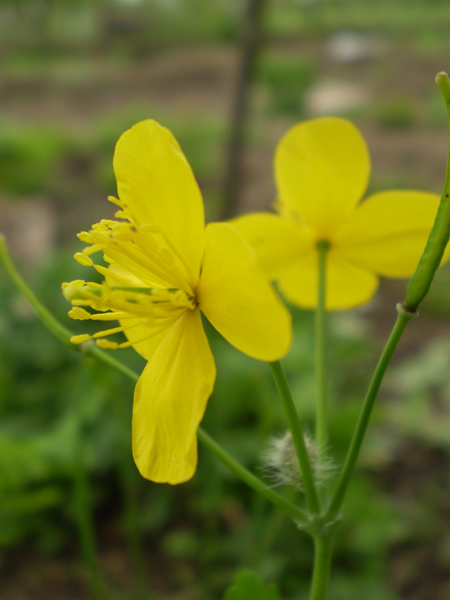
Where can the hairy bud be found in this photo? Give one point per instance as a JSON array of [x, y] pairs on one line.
[[280, 462]]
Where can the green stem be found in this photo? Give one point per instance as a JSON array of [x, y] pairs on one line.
[[280, 501], [309, 485], [358, 436], [46, 317], [320, 354], [323, 547], [90, 349]]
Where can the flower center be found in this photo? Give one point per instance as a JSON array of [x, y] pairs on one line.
[[147, 283], [133, 306], [323, 245]]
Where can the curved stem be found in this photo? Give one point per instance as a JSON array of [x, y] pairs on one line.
[[280, 501], [358, 436], [323, 546], [45, 315], [309, 485], [320, 351]]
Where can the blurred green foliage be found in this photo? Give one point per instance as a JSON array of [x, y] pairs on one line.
[[287, 79], [398, 113], [28, 158], [200, 138], [71, 23], [248, 585]]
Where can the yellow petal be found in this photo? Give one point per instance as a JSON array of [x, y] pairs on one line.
[[276, 240], [156, 183], [347, 285], [170, 400], [237, 299], [388, 231], [322, 168]]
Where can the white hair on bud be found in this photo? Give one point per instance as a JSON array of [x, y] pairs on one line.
[[280, 462]]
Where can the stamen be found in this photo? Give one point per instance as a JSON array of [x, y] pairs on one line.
[[111, 316], [74, 283], [154, 290], [128, 343], [79, 339], [110, 274], [107, 344], [147, 255], [106, 332], [71, 289], [86, 237], [114, 200], [83, 259], [79, 314]]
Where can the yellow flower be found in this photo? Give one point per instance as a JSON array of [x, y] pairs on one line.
[[165, 268], [322, 169]]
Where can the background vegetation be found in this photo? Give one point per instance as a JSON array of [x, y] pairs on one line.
[[75, 74]]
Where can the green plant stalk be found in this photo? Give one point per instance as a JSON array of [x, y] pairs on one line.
[[438, 239], [309, 485], [90, 349], [337, 499], [45, 315], [320, 352], [323, 548], [280, 501]]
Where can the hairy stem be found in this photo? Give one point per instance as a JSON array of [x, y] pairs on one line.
[[309, 485]]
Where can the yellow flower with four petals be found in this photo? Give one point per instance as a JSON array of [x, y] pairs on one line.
[[322, 170], [165, 269]]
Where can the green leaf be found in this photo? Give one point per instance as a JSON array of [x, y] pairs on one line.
[[247, 584]]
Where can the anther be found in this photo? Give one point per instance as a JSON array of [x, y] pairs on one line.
[[107, 344], [83, 259], [79, 339], [79, 313]]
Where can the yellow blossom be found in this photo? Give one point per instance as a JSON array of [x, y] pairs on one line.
[[322, 170], [165, 269]]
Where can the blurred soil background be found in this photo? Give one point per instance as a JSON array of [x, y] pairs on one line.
[[75, 74]]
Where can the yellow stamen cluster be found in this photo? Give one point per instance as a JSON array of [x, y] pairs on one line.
[[144, 292]]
